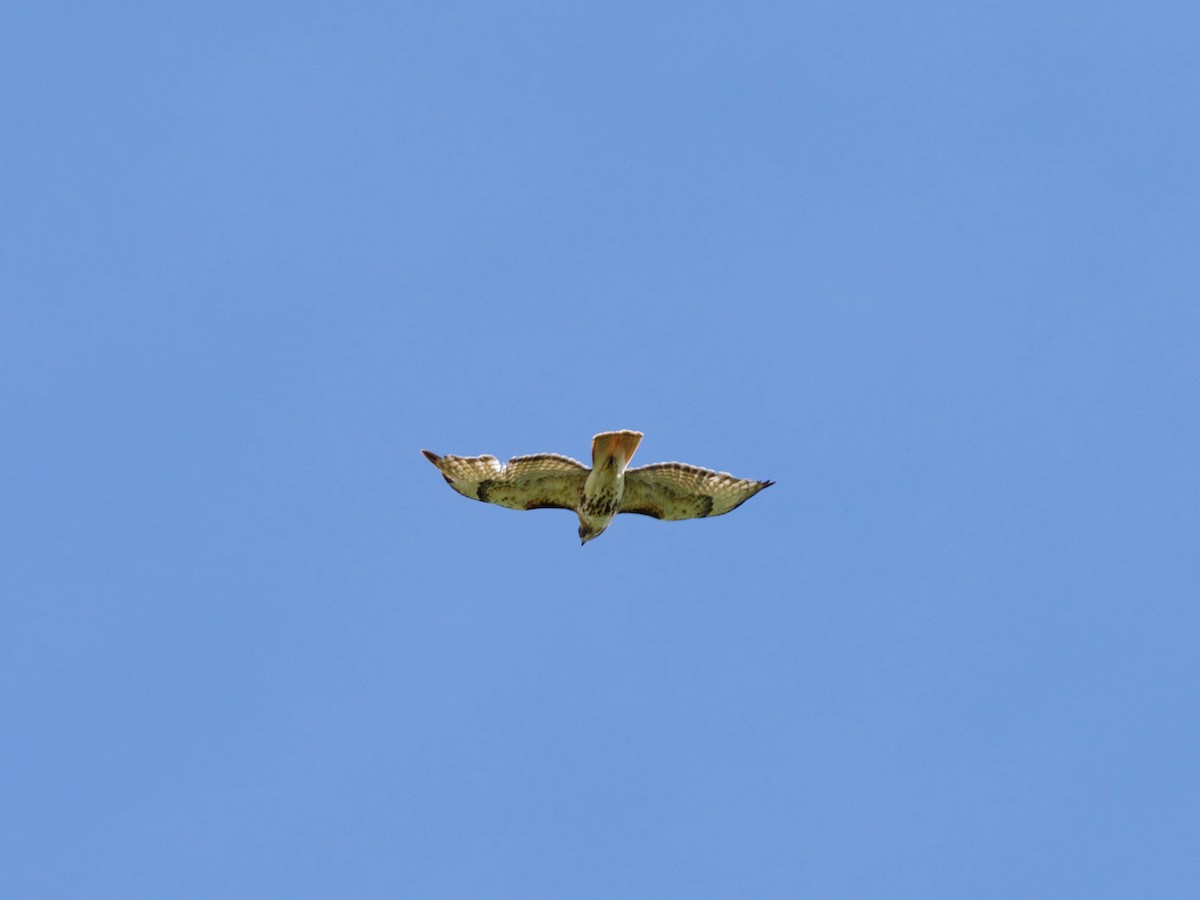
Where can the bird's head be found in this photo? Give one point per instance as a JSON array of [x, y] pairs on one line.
[[587, 533]]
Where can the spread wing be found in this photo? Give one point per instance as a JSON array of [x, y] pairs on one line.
[[527, 482], [677, 491]]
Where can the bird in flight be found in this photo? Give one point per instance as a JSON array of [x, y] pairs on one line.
[[668, 490]]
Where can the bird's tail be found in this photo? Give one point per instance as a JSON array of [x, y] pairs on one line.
[[618, 445]]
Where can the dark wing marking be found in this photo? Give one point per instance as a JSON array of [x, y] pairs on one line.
[[678, 491], [543, 481]]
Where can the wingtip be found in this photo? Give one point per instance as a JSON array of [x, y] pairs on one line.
[[431, 456]]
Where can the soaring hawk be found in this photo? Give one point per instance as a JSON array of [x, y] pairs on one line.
[[664, 490]]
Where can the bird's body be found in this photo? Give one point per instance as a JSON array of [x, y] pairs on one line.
[[604, 486], [597, 495]]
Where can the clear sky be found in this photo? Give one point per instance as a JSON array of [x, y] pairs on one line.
[[933, 268]]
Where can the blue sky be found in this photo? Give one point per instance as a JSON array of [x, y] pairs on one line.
[[933, 269]]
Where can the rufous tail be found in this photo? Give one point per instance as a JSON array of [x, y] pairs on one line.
[[620, 445]]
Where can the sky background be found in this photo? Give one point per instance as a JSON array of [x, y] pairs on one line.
[[933, 268]]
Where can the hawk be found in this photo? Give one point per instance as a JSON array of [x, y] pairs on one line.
[[668, 490]]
